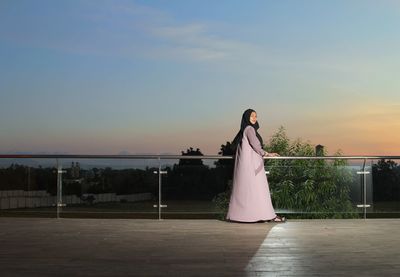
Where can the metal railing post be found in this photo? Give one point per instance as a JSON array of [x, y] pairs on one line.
[[59, 202], [364, 205], [59, 189], [159, 205], [159, 189]]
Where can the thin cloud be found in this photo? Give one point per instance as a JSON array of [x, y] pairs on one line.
[[194, 42], [191, 41]]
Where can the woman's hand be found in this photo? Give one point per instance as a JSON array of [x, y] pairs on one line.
[[271, 154]]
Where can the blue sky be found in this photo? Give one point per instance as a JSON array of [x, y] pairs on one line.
[[100, 77]]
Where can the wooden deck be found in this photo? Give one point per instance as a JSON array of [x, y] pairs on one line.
[[141, 247]]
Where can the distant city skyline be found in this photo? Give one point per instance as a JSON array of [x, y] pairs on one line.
[[109, 77]]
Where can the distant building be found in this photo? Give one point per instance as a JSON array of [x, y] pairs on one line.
[[75, 170]]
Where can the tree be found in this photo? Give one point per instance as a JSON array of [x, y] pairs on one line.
[[191, 152], [190, 179]]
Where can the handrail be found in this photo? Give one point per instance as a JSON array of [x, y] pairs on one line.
[[176, 157]]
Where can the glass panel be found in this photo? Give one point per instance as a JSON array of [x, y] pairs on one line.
[[28, 187], [110, 188], [315, 188], [385, 183], [193, 188]]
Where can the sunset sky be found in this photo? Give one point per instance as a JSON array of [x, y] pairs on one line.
[[101, 77]]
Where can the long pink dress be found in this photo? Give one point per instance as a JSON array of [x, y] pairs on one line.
[[250, 199]]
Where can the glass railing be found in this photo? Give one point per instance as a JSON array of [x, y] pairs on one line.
[[385, 187], [319, 188], [169, 186], [109, 188], [28, 187], [190, 188]]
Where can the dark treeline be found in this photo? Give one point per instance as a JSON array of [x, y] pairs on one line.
[[189, 179], [19, 177]]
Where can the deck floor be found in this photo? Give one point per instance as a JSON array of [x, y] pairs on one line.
[[136, 247]]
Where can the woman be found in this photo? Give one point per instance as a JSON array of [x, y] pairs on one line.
[[250, 199]]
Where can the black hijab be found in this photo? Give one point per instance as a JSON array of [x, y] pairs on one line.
[[246, 122]]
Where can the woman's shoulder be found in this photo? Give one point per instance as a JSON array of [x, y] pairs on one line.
[[249, 128]]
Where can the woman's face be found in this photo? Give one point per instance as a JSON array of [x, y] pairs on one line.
[[253, 118]]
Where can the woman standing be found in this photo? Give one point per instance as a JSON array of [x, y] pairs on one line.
[[250, 199]]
